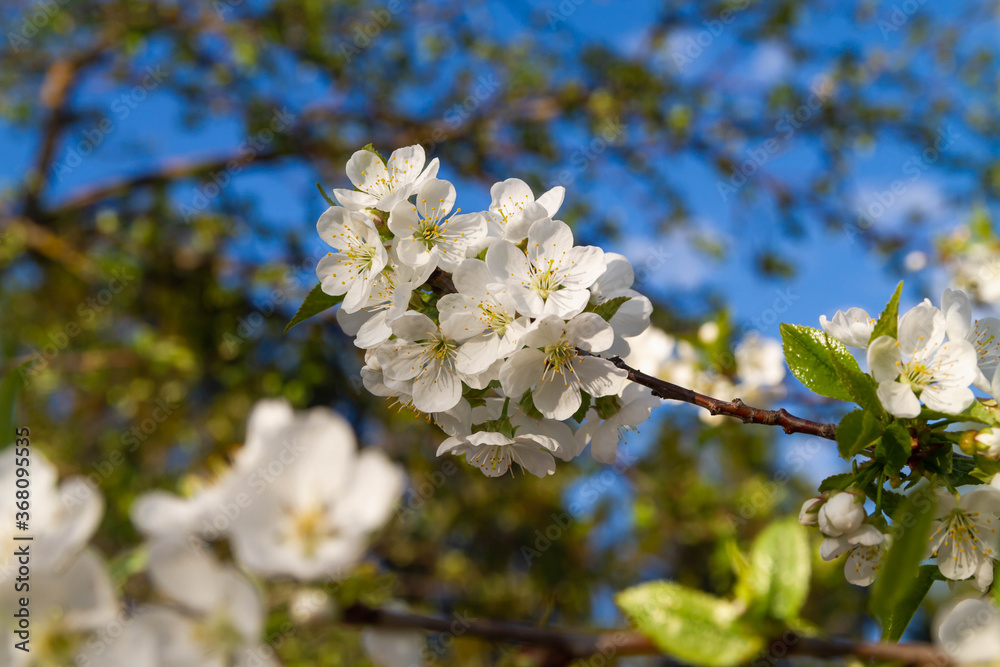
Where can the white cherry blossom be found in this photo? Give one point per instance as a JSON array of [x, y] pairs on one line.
[[964, 538], [922, 364], [428, 355], [984, 334], [514, 208], [853, 328], [843, 513], [484, 309], [424, 232], [989, 441], [760, 362], [554, 277], [389, 298], [359, 259], [865, 548], [552, 369], [604, 435], [632, 317], [383, 185]]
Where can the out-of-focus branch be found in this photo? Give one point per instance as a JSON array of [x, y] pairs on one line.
[[568, 645], [734, 408]]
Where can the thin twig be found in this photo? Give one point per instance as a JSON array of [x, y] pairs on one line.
[[734, 408], [574, 644]]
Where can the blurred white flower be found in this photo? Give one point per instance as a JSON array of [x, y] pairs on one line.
[[315, 515], [63, 516], [383, 185], [650, 351], [221, 615], [969, 632], [760, 362], [393, 648], [69, 608]]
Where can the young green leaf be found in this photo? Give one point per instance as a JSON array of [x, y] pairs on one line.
[[888, 320], [780, 567], [837, 482], [316, 302], [608, 309], [527, 404], [895, 447], [898, 590], [856, 431], [810, 361], [860, 385], [690, 625]]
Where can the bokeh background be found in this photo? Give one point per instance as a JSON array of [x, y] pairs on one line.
[[758, 162]]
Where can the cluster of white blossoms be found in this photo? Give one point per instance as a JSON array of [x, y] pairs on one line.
[[488, 322], [937, 357], [299, 502], [963, 540]]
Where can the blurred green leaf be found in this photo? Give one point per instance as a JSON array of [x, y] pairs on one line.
[[900, 587], [690, 625], [780, 567]]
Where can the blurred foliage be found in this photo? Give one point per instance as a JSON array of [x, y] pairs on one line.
[[149, 329]]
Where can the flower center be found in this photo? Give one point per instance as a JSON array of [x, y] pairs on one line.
[[439, 348], [559, 357], [495, 317], [429, 233], [310, 528], [545, 282]]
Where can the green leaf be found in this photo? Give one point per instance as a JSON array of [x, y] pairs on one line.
[[690, 625], [894, 449], [325, 196], [894, 592], [10, 385], [316, 302], [984, 414], [780, 567], [527, 404], [856, 431], [371, 149], [836, 482], [581, 414], [860, 385], [608, 309], [810, 360], [607, 406], [890, 499], [906, 606], [889, 319]]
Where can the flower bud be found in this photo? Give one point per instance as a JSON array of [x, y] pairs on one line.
[[841, 514], [809, 514], [988, 443]]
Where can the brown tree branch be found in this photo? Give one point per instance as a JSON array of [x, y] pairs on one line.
[[575, 644], [734, 408]]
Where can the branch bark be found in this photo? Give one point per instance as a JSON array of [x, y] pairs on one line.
[[574, 644], [735, 408]]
